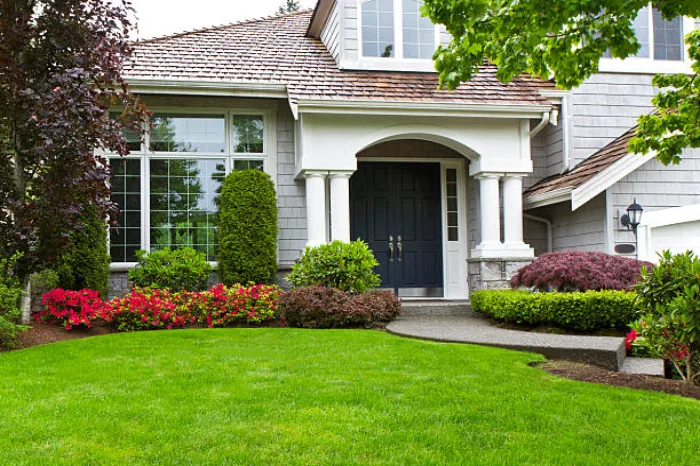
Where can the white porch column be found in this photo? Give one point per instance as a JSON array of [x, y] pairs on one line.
[[340, 205], [513, 216], [315, 208], [513, 210], [490, 215]]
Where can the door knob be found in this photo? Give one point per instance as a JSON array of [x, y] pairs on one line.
[[391, 248], [399, 245]]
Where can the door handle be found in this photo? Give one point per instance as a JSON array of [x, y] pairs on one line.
[[391, 248], [399, 245]]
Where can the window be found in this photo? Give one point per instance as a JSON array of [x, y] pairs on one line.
[[452, 205], [167, 195], [183, 203], [125, 180], [188, 133], [418, 31], [658, 38], [402, 34], [248, 134], [378, 28], [668, 37]]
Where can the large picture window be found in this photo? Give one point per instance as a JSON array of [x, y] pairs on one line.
[[167, 194]]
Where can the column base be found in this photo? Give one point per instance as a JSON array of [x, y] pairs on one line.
[[493, 273]]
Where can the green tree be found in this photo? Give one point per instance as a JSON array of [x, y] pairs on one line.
[[565, 40], [290, 6]]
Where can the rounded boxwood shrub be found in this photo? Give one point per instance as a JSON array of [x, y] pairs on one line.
[[581, 311], [579, 271], [85, 264], [10, 293], [324, 307], [346, 266], [248, 228], [176, 269]]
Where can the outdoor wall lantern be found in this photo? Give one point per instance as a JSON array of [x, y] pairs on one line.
[[633, 217]]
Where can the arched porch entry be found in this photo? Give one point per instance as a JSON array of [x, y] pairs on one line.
[[408, 201]]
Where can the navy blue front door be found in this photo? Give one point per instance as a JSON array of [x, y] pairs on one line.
[[396, 209]]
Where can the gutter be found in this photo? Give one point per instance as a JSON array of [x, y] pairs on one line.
[[541, 125], [550, 236], [211, 88]]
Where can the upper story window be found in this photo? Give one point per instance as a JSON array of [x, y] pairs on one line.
[[396, 29], [378, 28], [661, 42]]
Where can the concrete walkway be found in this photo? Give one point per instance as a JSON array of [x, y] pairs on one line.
[[470, 327]]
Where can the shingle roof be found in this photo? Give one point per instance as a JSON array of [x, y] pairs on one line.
[[276, 50], [585, 170]]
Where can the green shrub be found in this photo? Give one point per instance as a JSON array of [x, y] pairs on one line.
[[10, 294], [322, 307], [176, 270], [86, 262], [582, 311], [248, 229], [346, 266], [668, 297]]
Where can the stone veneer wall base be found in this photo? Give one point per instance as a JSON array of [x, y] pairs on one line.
[[493, 273]]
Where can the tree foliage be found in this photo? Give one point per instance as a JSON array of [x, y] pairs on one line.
[[565, 40], [290, 6], [60, 72]]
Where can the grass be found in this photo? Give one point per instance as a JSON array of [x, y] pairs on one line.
[[283, 396]]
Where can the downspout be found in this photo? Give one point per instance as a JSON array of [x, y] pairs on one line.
[[550, 240], [541, 125]]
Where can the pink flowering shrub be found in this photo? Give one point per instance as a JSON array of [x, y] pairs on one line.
[[221, 306], [70, 308], [147, 309], [579, 271]]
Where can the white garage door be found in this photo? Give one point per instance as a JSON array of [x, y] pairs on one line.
[[676, 229]]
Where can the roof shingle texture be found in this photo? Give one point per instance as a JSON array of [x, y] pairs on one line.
[[276, 50], [585, 170]]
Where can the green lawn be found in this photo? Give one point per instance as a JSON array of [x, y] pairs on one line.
[[283, 396]]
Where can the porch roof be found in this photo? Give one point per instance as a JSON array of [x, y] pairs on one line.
[[277, 51]]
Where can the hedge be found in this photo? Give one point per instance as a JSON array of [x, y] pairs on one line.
[[248, 228], [581, 311], [86, 263]]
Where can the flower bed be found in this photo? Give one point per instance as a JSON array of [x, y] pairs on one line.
[[149, 309]]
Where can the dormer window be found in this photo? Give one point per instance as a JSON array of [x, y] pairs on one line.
[[396, 29], [378, 28]]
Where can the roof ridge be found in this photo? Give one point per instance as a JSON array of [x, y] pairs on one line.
[[222, 26]]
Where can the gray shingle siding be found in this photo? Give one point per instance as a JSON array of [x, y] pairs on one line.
[[290, 192], [331, 32], [583, 229], [656, 187]]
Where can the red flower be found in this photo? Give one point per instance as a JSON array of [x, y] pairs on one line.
[[630, 338]]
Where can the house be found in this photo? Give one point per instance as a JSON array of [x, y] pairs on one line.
[[453, 190]]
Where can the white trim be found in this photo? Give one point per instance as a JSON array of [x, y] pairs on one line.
[[365, 107], [608, 177], [205, 87], [671, 216], [609, 224], [549, 198], [662, 218]]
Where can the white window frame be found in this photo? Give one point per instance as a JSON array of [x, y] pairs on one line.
[[268, 156], [397, 62], [650, 65]]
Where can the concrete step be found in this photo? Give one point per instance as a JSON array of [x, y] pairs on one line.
[[645, 366], [435, 307]]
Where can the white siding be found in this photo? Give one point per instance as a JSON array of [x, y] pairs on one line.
[[330, 35], [350, 23]]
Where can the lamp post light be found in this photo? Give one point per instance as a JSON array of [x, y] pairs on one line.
[[631, 220]]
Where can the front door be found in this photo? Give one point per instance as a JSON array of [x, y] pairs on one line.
[[396, 209]]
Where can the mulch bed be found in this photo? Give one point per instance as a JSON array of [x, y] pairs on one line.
[[588, 373], [40, 334]]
